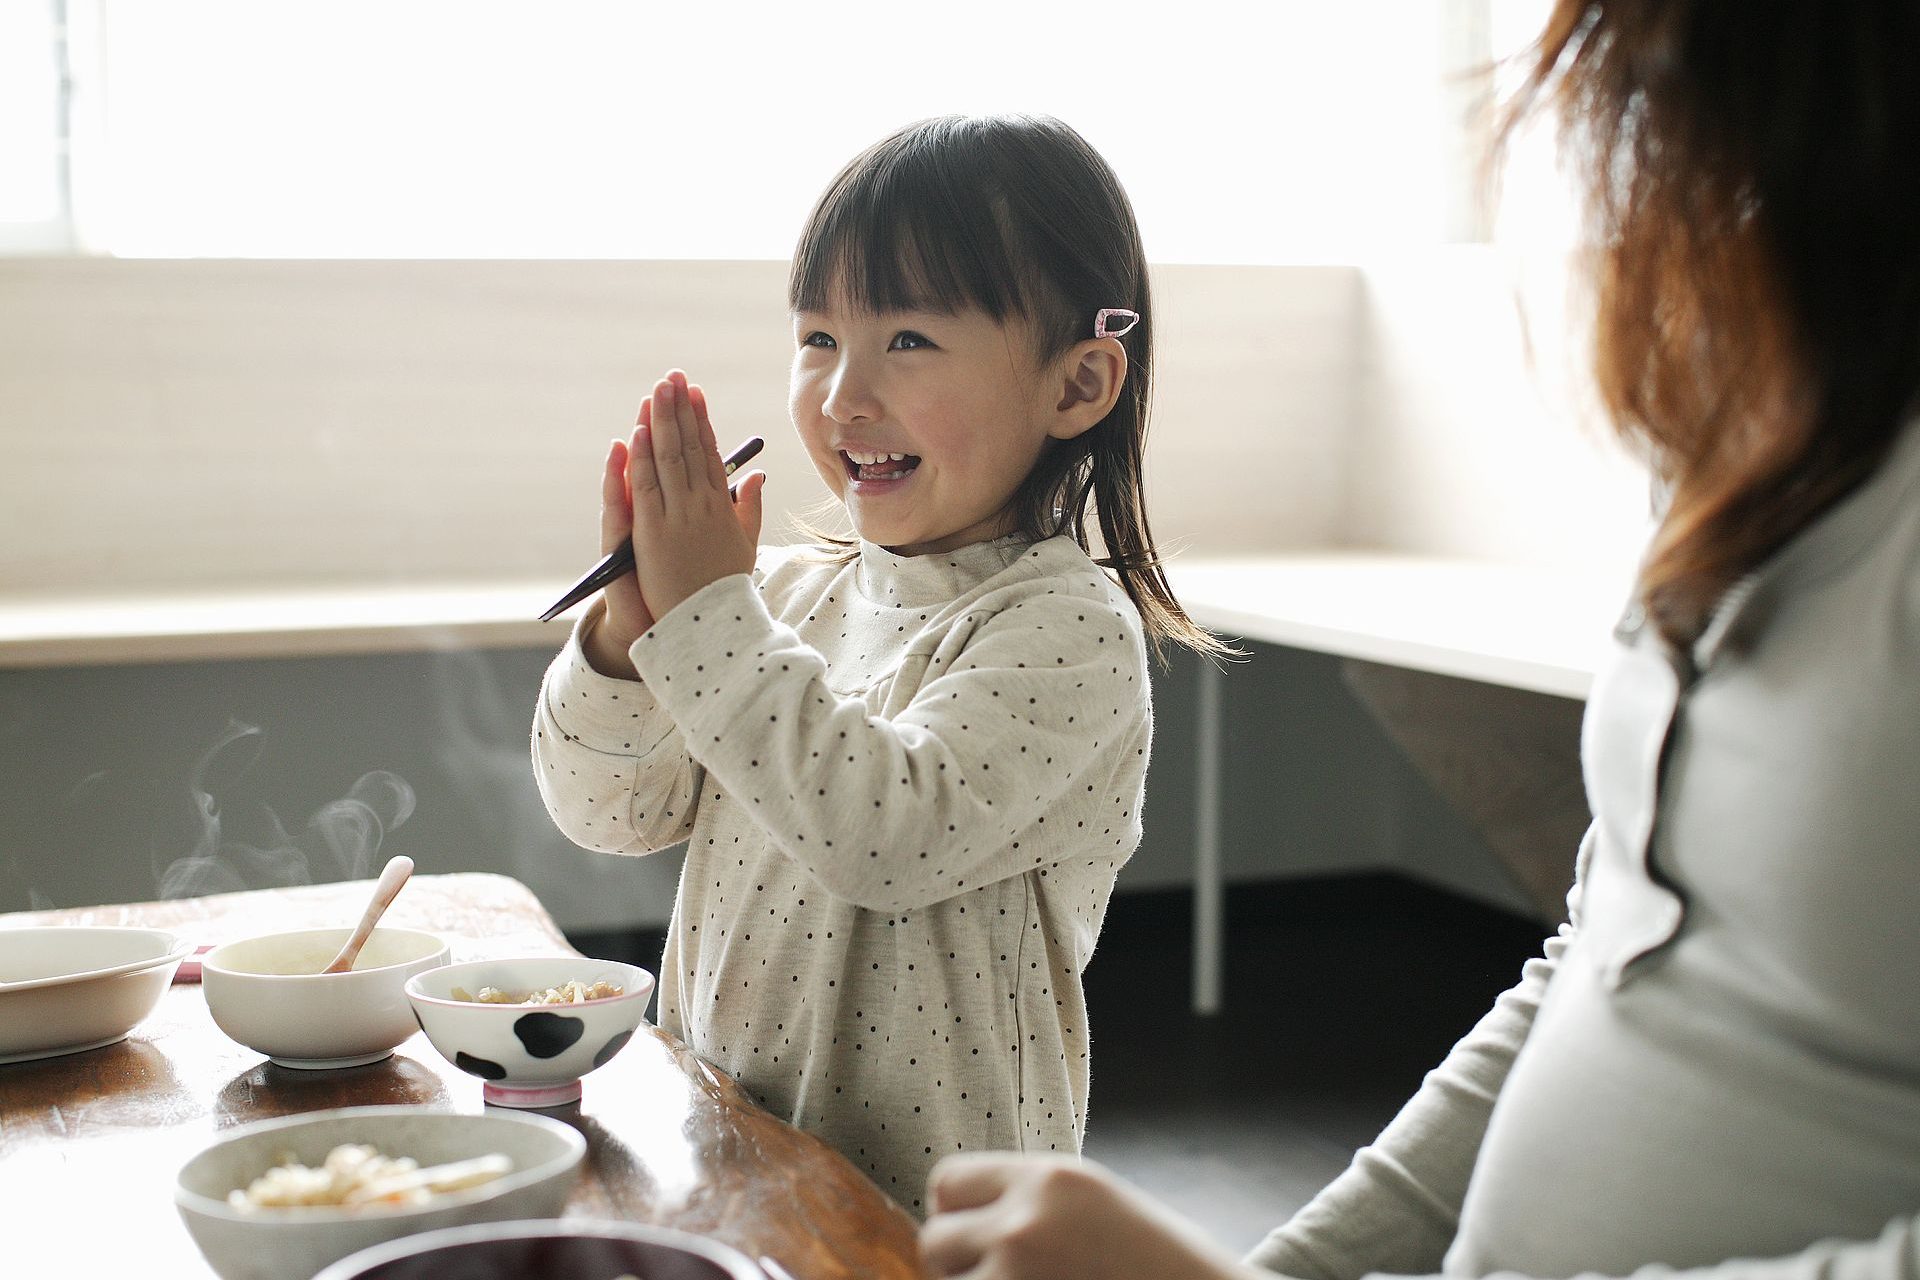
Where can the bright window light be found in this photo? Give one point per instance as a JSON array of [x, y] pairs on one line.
[[32, 206], [1282, 131], [1538, 208]]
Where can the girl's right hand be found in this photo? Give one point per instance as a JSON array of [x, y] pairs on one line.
[[626, 618]]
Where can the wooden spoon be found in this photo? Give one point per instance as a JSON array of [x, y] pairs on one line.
[[392, 876]]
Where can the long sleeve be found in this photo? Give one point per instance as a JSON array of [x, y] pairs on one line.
[[1396, 1207], [906, 785], [939, 778], [611, 766], [1722, 1079]]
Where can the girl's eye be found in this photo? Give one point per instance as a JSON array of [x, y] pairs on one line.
[[908, 340], [818, 339]]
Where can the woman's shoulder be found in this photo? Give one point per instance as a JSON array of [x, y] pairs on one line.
[[1855, 571], [1862, 557]]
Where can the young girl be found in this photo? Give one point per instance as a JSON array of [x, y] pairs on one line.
[[909, 766]]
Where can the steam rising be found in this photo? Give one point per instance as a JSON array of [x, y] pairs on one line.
[[228, 851]]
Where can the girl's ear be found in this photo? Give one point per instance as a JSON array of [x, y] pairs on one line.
[[1092, 375]]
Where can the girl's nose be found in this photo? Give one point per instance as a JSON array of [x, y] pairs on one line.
[[849, 397]]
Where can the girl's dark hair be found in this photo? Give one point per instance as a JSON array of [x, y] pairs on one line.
[[1752, 177], [1016, 216]]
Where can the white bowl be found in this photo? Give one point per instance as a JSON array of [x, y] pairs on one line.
[[547, 1251], [258, 1244], [529, 1055], [64, 988], [269, 994]]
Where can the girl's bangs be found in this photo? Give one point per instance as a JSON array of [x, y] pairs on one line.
[[884, 242]]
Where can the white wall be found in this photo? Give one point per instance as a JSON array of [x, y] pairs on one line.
[[230, 424], [1475, 431], [213, 424]]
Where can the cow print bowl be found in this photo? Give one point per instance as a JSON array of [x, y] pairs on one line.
[[529, 1055]]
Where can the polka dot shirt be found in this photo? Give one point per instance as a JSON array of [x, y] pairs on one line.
[[906, 786]]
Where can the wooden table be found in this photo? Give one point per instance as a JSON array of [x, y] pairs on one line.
[[90, 1142]]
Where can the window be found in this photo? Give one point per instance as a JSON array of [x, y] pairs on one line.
[[33, 128], [1538, 209], [1286, 131]]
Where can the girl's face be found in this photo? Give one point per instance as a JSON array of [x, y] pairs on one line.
[[922, 424]]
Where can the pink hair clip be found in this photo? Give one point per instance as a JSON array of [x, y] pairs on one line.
[[1100, 318]]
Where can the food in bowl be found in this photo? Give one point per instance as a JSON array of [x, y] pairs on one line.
[[572, 991], [278, 1242], [268, 993], [355, 1173], [530, 1055]]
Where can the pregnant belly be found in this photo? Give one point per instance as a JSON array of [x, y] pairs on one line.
[[1659, 1123]]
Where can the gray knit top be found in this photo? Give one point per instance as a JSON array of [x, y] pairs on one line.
[[1716, 1064]]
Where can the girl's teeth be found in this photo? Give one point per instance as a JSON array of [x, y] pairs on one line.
[[880, 466]]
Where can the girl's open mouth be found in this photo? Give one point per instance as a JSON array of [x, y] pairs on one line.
[[879, 466]]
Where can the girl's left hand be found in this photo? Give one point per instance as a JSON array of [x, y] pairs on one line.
[[1013, 1217], [687, 531]]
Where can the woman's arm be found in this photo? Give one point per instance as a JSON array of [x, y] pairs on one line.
[[1397, 1206], [1394, 1210], [1027, 1218]]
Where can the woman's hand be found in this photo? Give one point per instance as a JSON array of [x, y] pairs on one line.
[[1048, 1218], [687, 530]]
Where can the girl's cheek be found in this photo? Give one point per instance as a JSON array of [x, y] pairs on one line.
[[799, 379], [800, 376]]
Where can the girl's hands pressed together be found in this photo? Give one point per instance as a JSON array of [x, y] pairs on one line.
[[688, 532], [626, 619], [666, 489], [1000, 1217]]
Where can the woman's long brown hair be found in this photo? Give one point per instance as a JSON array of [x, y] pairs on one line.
[[1752, 185]]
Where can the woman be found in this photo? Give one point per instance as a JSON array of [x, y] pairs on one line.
[[1715, 1066]]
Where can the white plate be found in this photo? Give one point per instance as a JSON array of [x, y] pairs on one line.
[[69, 988]]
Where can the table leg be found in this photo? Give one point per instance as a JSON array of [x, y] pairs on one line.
[[1208, 889]]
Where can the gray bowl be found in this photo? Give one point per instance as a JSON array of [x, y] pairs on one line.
[[574, 1250], [274, 1244]]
